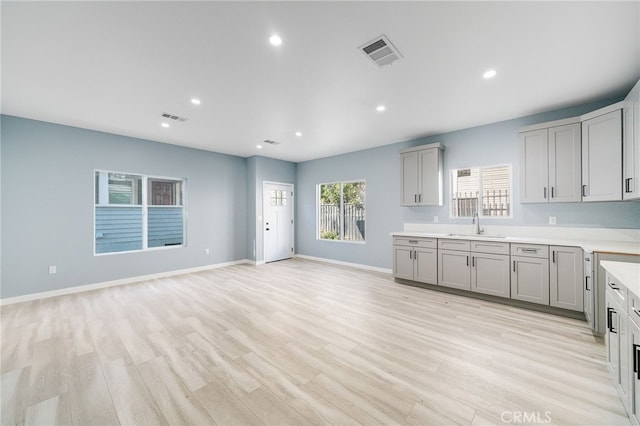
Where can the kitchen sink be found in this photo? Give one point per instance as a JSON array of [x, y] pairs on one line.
[[478, 236]]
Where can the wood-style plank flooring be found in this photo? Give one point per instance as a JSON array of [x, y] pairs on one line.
[[296, 342]]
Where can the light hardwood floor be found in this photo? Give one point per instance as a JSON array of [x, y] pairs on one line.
[[296, 342]]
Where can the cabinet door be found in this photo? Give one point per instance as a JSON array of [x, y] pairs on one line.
[[624, 386], [612, 339], [589, 302], [534, 166], [490, 274], [430, 187], [634, 356], [454, 269], [426, 266], [410, 178], [602, 157], [566, 272], [631, 147], [530, 279], [403, 262], [565, 175]]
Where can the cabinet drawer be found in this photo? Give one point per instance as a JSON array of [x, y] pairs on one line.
[[634, 307], [617, 291], [530, 250], [491, 247], [415, 242], [461, 245]]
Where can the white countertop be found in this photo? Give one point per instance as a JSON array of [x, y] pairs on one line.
[[617, 247], [627, 273]]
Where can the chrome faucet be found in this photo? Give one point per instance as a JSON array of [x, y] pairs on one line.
[[476, 221]]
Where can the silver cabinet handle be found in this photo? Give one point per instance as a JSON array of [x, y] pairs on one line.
[[545, 192]]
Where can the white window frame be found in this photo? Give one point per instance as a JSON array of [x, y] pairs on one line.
[[144, 206], [481, 169], [342, 240]]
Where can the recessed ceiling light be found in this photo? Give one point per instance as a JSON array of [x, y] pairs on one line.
[[275, 40], [259, 146], [489, 74], [165, 125], [298, 134], [195, 101], [381, 108]]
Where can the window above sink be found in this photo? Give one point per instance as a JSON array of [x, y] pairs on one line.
[[486, 191]]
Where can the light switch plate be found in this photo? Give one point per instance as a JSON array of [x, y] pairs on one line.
[[552, 220], [52, 270], [435, 219]]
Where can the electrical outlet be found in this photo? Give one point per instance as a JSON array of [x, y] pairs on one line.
[[52, 270], [435, 219], [552, 220], [206, 251]]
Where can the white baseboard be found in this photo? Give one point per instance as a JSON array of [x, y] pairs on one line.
[[123, 281], [339, 262]]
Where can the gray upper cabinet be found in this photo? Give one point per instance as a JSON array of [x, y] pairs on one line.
[[422, 175], [550, 162], [602, 154], [564, 164], [631, 145]]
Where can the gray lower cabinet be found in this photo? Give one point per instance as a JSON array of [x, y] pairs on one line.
[[566, 271], [415, 259], [535, 273], [634, 400], [490, 274], [490, 268], [617, 339], [403, 262], [530, 273], [454, 264]]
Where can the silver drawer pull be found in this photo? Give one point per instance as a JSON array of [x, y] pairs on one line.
[[614, 287], [636, 311], [530, 250], [413, 241]]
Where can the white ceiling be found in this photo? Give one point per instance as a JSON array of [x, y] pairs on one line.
[[116, 66]]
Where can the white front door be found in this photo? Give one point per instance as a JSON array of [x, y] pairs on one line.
[[277, 199]]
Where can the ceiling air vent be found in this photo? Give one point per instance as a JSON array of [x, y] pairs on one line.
[[270, 142], [174, 117], [381, 51]]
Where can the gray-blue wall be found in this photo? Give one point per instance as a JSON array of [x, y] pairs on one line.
[[491, 144], [48, 205]]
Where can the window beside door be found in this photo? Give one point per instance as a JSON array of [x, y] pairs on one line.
[[342, 211], [136, 212]]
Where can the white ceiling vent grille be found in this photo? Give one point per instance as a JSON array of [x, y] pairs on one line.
[[174, 117], [381, 51]]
